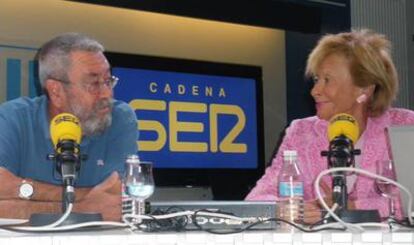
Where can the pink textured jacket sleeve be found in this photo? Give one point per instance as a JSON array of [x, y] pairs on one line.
[[308, 137], [302, 136]]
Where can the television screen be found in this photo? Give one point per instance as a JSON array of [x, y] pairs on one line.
[[198, 122]]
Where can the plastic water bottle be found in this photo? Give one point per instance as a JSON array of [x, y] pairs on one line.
[[290, 190], [127, 203]]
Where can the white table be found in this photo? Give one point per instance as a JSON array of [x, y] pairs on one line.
[[116, 237]]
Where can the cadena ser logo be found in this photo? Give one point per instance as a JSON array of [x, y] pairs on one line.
[[192, 120]]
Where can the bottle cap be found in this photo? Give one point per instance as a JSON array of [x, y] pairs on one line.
[[132, 158], [290, 153]]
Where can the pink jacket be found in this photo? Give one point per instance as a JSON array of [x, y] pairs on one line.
[[308, 137]]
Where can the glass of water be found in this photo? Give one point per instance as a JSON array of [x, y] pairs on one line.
[[386, 168], [139, 184]]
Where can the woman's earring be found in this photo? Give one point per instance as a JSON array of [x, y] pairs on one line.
[[361, 99]]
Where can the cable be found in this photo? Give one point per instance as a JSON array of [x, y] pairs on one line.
[[176, 224], [363, 172], [63, 217], [178, 221], [325, 217], [188, 213], [261, 221], [403, 223], [54, 226], [249, 222], [65, 227], [50, 226], [168, 222]]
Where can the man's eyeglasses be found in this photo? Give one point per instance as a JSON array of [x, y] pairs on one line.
[[97, 86]]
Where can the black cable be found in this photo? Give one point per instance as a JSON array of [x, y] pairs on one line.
[[249, 227], [319, 222], [171, 209], [152, 225], [213, 231], [405, 223], [323, 220], [177, 224], [299, 227]]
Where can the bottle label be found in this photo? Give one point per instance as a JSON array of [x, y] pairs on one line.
[[126, 201], [288, 189]]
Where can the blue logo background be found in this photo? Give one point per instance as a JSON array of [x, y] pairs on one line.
[[235, 91]]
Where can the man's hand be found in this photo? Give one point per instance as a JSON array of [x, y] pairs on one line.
[[9, 186], [104, 198]]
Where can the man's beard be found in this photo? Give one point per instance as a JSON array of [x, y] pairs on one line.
[[90, 121]]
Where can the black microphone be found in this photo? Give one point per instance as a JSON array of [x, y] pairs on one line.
[[343, 131], [66, 134]]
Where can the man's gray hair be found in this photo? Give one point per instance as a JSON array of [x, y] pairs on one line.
[[54, 56]]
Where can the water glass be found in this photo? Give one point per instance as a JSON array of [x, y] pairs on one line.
[[139, 184], [386, 169]]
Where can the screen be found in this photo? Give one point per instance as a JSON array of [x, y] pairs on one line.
[[192, 120], [199, 122]]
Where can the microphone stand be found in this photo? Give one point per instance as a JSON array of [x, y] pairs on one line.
[[68, 159], [341, 153]]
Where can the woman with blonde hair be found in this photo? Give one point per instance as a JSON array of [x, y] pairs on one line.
[[353, 73]]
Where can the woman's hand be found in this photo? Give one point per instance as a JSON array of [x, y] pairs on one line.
[[314, 211]]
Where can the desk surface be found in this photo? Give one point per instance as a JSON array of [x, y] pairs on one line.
[[202, 238]]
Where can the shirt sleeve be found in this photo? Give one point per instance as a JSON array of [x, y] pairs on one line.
[[266, 188]]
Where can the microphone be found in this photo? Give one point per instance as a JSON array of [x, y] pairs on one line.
[[343, 124], [65, 126], [66, 134], [343, 132]]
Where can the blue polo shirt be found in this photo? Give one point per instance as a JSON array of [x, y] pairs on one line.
[[25, 142]]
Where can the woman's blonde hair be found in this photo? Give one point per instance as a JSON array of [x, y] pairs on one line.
[[370, 63]]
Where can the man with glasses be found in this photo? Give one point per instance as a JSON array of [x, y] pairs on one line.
[[76, 78]]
